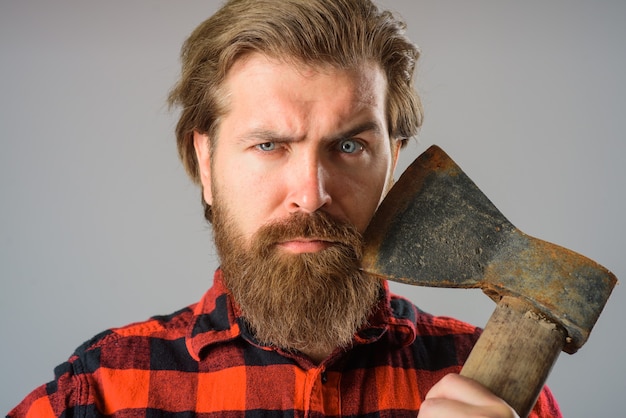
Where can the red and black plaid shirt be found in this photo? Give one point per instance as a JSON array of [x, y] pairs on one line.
[[203, 362]]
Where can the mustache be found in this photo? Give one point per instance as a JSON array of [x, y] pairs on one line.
[[318, 226]]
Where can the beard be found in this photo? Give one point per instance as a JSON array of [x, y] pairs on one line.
[[308, 302]]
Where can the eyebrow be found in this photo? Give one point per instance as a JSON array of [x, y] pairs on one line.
[[265, 135], [369, 126]]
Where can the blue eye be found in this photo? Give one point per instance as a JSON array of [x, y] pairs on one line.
[[350, 146], [267, 146]]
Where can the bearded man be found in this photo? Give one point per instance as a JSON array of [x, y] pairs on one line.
[[293, 114]]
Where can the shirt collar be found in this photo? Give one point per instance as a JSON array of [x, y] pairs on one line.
[[215, 320]]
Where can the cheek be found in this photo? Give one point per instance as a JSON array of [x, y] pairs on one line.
[[360, 198], [249, 198], [378, 181]]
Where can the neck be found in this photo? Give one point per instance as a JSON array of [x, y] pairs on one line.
[[318, 355]]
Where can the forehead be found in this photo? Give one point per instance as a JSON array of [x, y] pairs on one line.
[[365, 80], [260, 85]]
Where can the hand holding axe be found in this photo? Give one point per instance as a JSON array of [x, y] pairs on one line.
[[436, 228]]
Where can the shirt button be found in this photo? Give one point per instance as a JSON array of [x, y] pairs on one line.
[[324, 377]]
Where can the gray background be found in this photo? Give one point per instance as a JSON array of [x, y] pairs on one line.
[[100, 227]]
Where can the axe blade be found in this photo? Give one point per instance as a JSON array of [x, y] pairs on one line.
[[436, 228]]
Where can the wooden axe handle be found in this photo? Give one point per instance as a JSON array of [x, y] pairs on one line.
[[515, 354]]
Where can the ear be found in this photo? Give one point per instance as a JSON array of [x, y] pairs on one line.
[[203, 155], [395, 153]]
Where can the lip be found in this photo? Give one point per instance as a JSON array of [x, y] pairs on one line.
[[304, 245]]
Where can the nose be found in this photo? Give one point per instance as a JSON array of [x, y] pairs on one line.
[[308, 183]]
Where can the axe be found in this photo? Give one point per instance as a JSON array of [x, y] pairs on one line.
[[436, 228]]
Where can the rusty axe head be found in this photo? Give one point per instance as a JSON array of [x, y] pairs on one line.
[[436, 228]]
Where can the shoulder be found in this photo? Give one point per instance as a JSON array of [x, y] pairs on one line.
[[124, 353], [129, 346], [426, 323], [435, 336], [168, 327], [442, 344]]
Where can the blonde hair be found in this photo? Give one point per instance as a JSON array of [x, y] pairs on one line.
[[341, 33]]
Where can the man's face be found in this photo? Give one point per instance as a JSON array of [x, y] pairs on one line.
[[301, 161], [296, 139]]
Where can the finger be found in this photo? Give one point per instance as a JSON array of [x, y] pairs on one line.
[[462, 392], [441, 407], [460, 388]]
